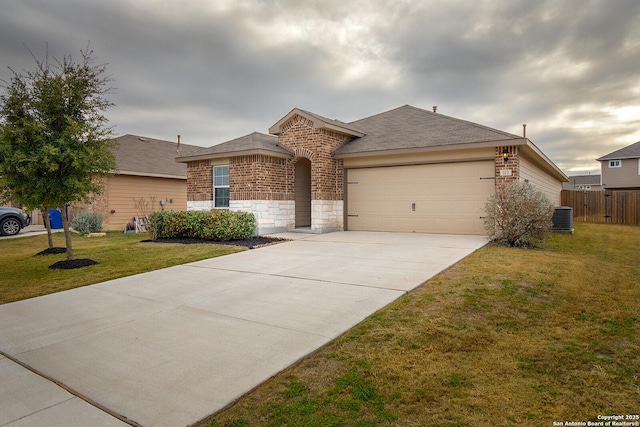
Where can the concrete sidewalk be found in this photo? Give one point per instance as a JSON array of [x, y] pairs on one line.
[[30, 230], [170, 347]]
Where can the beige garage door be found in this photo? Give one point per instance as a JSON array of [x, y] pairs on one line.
[[438, 198]]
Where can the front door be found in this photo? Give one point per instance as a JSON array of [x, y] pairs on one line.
[[303, 193]]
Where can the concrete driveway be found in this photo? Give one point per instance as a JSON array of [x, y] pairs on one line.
[[170, 347]]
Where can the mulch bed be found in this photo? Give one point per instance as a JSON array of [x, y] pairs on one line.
[[251, 243], [66, 264], [71, 264]]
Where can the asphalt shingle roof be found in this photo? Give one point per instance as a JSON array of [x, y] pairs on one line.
[[253, 141], [148, 156], [409, 127], [629, 152], [405, 127], [333, 122], [585, 179]]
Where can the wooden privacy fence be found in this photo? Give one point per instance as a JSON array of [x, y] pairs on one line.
[[613, 207]]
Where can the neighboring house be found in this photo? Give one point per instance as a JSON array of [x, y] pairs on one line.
[[621, 169], [583, 182], [406, 169], [148, 179]]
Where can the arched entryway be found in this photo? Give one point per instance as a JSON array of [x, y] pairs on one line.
[[303, 192]]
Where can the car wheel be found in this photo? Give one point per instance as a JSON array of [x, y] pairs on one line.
[[10, 226]]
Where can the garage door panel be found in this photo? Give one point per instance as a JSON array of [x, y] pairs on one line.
[[386, 191], [438, 198], [459, 187]]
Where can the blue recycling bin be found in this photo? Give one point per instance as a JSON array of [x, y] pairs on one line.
[[55, 219]]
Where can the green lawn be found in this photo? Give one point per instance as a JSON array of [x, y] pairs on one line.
[[24, 275], [507, 337]]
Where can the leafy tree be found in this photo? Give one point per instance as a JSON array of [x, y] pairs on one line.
[[518, 215], [54, 142]]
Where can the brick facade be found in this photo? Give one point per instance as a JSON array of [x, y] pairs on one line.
[[508, 171], [265, 185], [260, 177], [199, 181], [317, 145]]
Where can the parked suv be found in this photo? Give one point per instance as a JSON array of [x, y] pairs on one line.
[[12, 220]]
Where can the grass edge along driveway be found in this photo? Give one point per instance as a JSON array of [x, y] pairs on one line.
[[506, 337], [25, 275]]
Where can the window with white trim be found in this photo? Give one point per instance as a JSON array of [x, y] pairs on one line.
[[615, 163], [221, 186]]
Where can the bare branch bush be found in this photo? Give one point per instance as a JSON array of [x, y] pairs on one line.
[[518, 215], [144, 206]]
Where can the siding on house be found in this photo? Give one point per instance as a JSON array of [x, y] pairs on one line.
[[123, 191], [541, 180], [486, 153], [627, 176], [146, 168]]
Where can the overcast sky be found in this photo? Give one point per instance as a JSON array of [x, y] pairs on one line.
[[216, 70]]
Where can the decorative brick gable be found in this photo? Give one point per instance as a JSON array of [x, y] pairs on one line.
[[299, 136]]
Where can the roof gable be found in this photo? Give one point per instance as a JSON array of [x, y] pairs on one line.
[[138, 155], [408, 127], [629, 152], [585, 179], [253, 143], [318, 122]]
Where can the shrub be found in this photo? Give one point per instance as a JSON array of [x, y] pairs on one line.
[[219, 225], [518, 215], [87, 222]]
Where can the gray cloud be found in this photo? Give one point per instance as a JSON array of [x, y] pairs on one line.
[[212, 71]]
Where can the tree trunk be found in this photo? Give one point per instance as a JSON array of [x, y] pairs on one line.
[[67, 233], [47, 224]]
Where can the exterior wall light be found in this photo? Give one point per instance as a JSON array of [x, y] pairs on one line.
[[505, 155]]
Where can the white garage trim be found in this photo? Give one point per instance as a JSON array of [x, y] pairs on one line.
[[432, 198]]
